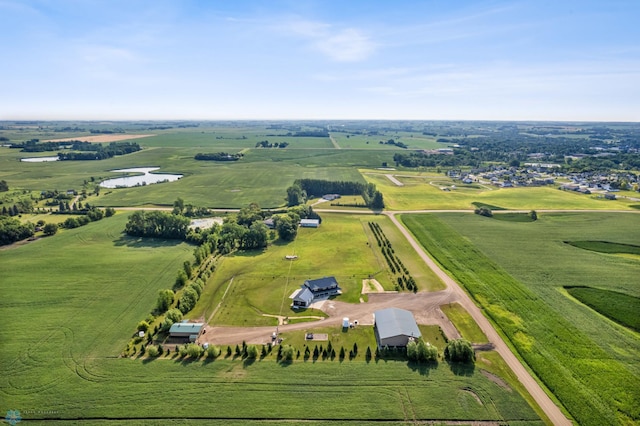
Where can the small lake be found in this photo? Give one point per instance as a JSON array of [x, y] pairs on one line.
[[147, 178], [39, 159]]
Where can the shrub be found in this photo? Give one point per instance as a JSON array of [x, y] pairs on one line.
[[50, 229], [459, 350], [286, 353], [213, 352], [252, 351], [165, 299], [153, 351], [188, 299], [194, 351], [143, 326]]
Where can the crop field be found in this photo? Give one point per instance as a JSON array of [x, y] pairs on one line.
[[351, 141], [424, 192], [517, 272], [76, 299], [562, 290]]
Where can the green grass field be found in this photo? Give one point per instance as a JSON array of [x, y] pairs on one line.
[[517, 271], [71, 302], [464, 323], [263, 281]]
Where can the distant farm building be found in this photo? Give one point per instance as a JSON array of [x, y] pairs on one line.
[[269, 223], [311, 290], [190, 330], [395, 327], [310, 223], [331, 197]]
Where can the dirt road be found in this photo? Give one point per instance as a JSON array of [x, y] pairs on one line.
[[424, 306], [551, 410]]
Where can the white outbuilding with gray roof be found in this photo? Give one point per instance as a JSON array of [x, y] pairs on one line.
[[395, 327]]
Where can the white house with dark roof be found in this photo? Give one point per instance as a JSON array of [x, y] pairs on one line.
[[315, 289], [395, 327]]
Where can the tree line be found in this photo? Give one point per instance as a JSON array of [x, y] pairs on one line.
[[403, 278], [219, 156], [87, 150], [267, 144], [303, 188]]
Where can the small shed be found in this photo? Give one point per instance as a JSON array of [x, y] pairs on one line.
[[310, 223], [345, 322], [190, 330]]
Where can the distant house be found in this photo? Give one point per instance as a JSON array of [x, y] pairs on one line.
[[395, 327], [270, 223], [331, 197], [190, 330], [310, 223], [315, 289]]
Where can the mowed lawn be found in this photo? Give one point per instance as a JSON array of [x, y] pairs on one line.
[[264, 280], [71, 302], [517, 272], [423, 191]]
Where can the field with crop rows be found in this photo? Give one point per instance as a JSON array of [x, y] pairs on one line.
[[517, 272], [71, 302]]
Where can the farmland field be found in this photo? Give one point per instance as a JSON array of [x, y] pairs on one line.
[[516, 271], [562, 289], [76, 299]]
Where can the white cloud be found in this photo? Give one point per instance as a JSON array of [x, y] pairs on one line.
[[338, 44], [348, 45]]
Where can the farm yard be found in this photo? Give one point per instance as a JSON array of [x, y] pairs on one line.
[[560, 289]]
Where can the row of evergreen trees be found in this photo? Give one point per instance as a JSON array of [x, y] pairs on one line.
[[403, 278], [457, 351]]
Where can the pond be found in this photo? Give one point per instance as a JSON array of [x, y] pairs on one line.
[[39, 159], [147, 178]]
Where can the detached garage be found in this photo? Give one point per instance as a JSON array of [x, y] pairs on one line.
[[395, 327]]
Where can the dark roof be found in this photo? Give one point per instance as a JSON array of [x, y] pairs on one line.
[[304, 295], [321, 284], [396, 322]]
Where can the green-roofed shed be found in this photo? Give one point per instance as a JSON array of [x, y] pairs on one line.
[[186, 329]]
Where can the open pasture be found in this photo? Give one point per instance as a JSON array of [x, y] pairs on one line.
[[516, 271]]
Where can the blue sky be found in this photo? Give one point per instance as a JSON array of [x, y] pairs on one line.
[[495, 60]]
